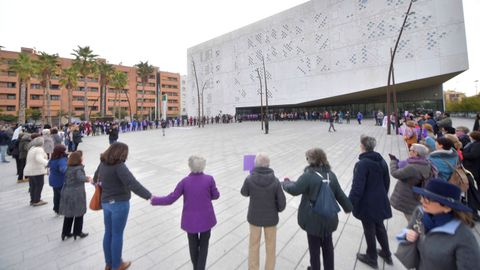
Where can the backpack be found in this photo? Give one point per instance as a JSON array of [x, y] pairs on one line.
[[325, 205], [458, 177]]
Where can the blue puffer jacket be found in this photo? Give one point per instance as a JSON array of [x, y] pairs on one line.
[[58, 167], [440, 158]]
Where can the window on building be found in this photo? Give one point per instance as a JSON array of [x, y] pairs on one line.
[[93, 89], [152, 76], [172, 108], [35, 86], [81, 88], [11, 96], [54, 87], [10, 108], [81, 109], [151, 84], [54, 97], [35, 97], [93, 108], [78, 98], [8, 84]]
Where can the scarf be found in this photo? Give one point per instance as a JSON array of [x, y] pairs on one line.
[[432, 221]]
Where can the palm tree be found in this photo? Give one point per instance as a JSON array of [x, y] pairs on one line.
[[69, 80], [45, 67], [85, 64], [143, 71], [105, 71], [24, 68], [119, 81]]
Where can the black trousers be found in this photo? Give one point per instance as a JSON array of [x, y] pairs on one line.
[[77, 227], [36, 186], [20, 166], [314, 245], [56, 199], [372, 231], [198, 244]]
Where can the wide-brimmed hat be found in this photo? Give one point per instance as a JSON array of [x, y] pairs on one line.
[[441, 191]]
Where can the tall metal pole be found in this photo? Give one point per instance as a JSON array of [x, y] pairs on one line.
[[261, 97], [198, 92], [203, 115], [266, 96], [390, 72], [395, 104]]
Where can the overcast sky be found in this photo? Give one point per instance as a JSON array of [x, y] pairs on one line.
[[127, 32]]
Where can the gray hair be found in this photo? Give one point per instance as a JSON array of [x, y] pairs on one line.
[[262, 160], [38, 141], [420, 149], [368, 142], [196, 164]]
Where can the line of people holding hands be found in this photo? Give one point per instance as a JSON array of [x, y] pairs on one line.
[[444, 240]]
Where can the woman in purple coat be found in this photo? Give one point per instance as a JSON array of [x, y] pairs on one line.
[[198, 217]]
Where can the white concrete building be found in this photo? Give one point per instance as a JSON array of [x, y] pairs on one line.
[[333, 54]]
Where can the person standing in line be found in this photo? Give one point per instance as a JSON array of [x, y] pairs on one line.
[[47, 142], [57, 138], [73, 200], [25, 139], [331, 120], [35, 169], [58, 166], [112, 133], [163, 124], [266, 201], [441, 229], [415, 171], [76, 137], [471, 155], [4, 142], [359, 118], [117, 183], [319, 229], [444, 158], [369, 196], [198, 217], [476, 124], [347, 117]]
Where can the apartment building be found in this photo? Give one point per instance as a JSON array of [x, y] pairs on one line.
[[143, 99]]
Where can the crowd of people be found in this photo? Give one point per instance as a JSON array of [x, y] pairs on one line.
[[438, 213]]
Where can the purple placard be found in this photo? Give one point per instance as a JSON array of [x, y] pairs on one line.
[[248, 162]]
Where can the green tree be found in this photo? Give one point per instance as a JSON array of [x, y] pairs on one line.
[[143, 72], [36, 114], [119, 81], [105, 71], [45, 67], [8, 118], [69, 80], [85, 63], [24, 68]]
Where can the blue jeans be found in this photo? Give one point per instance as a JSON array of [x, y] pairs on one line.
[[115, 217], [3, 151]]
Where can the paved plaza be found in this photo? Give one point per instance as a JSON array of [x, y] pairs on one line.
[[30, 236]]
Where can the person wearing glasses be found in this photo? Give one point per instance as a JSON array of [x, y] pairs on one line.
[[414, 171], [441, 229]]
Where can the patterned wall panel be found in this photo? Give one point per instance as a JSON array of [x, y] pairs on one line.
[[307, 49]]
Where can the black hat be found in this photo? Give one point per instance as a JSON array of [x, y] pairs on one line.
[[441, 191]]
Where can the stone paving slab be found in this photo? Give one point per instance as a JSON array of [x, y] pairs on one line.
[[153, 239]]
